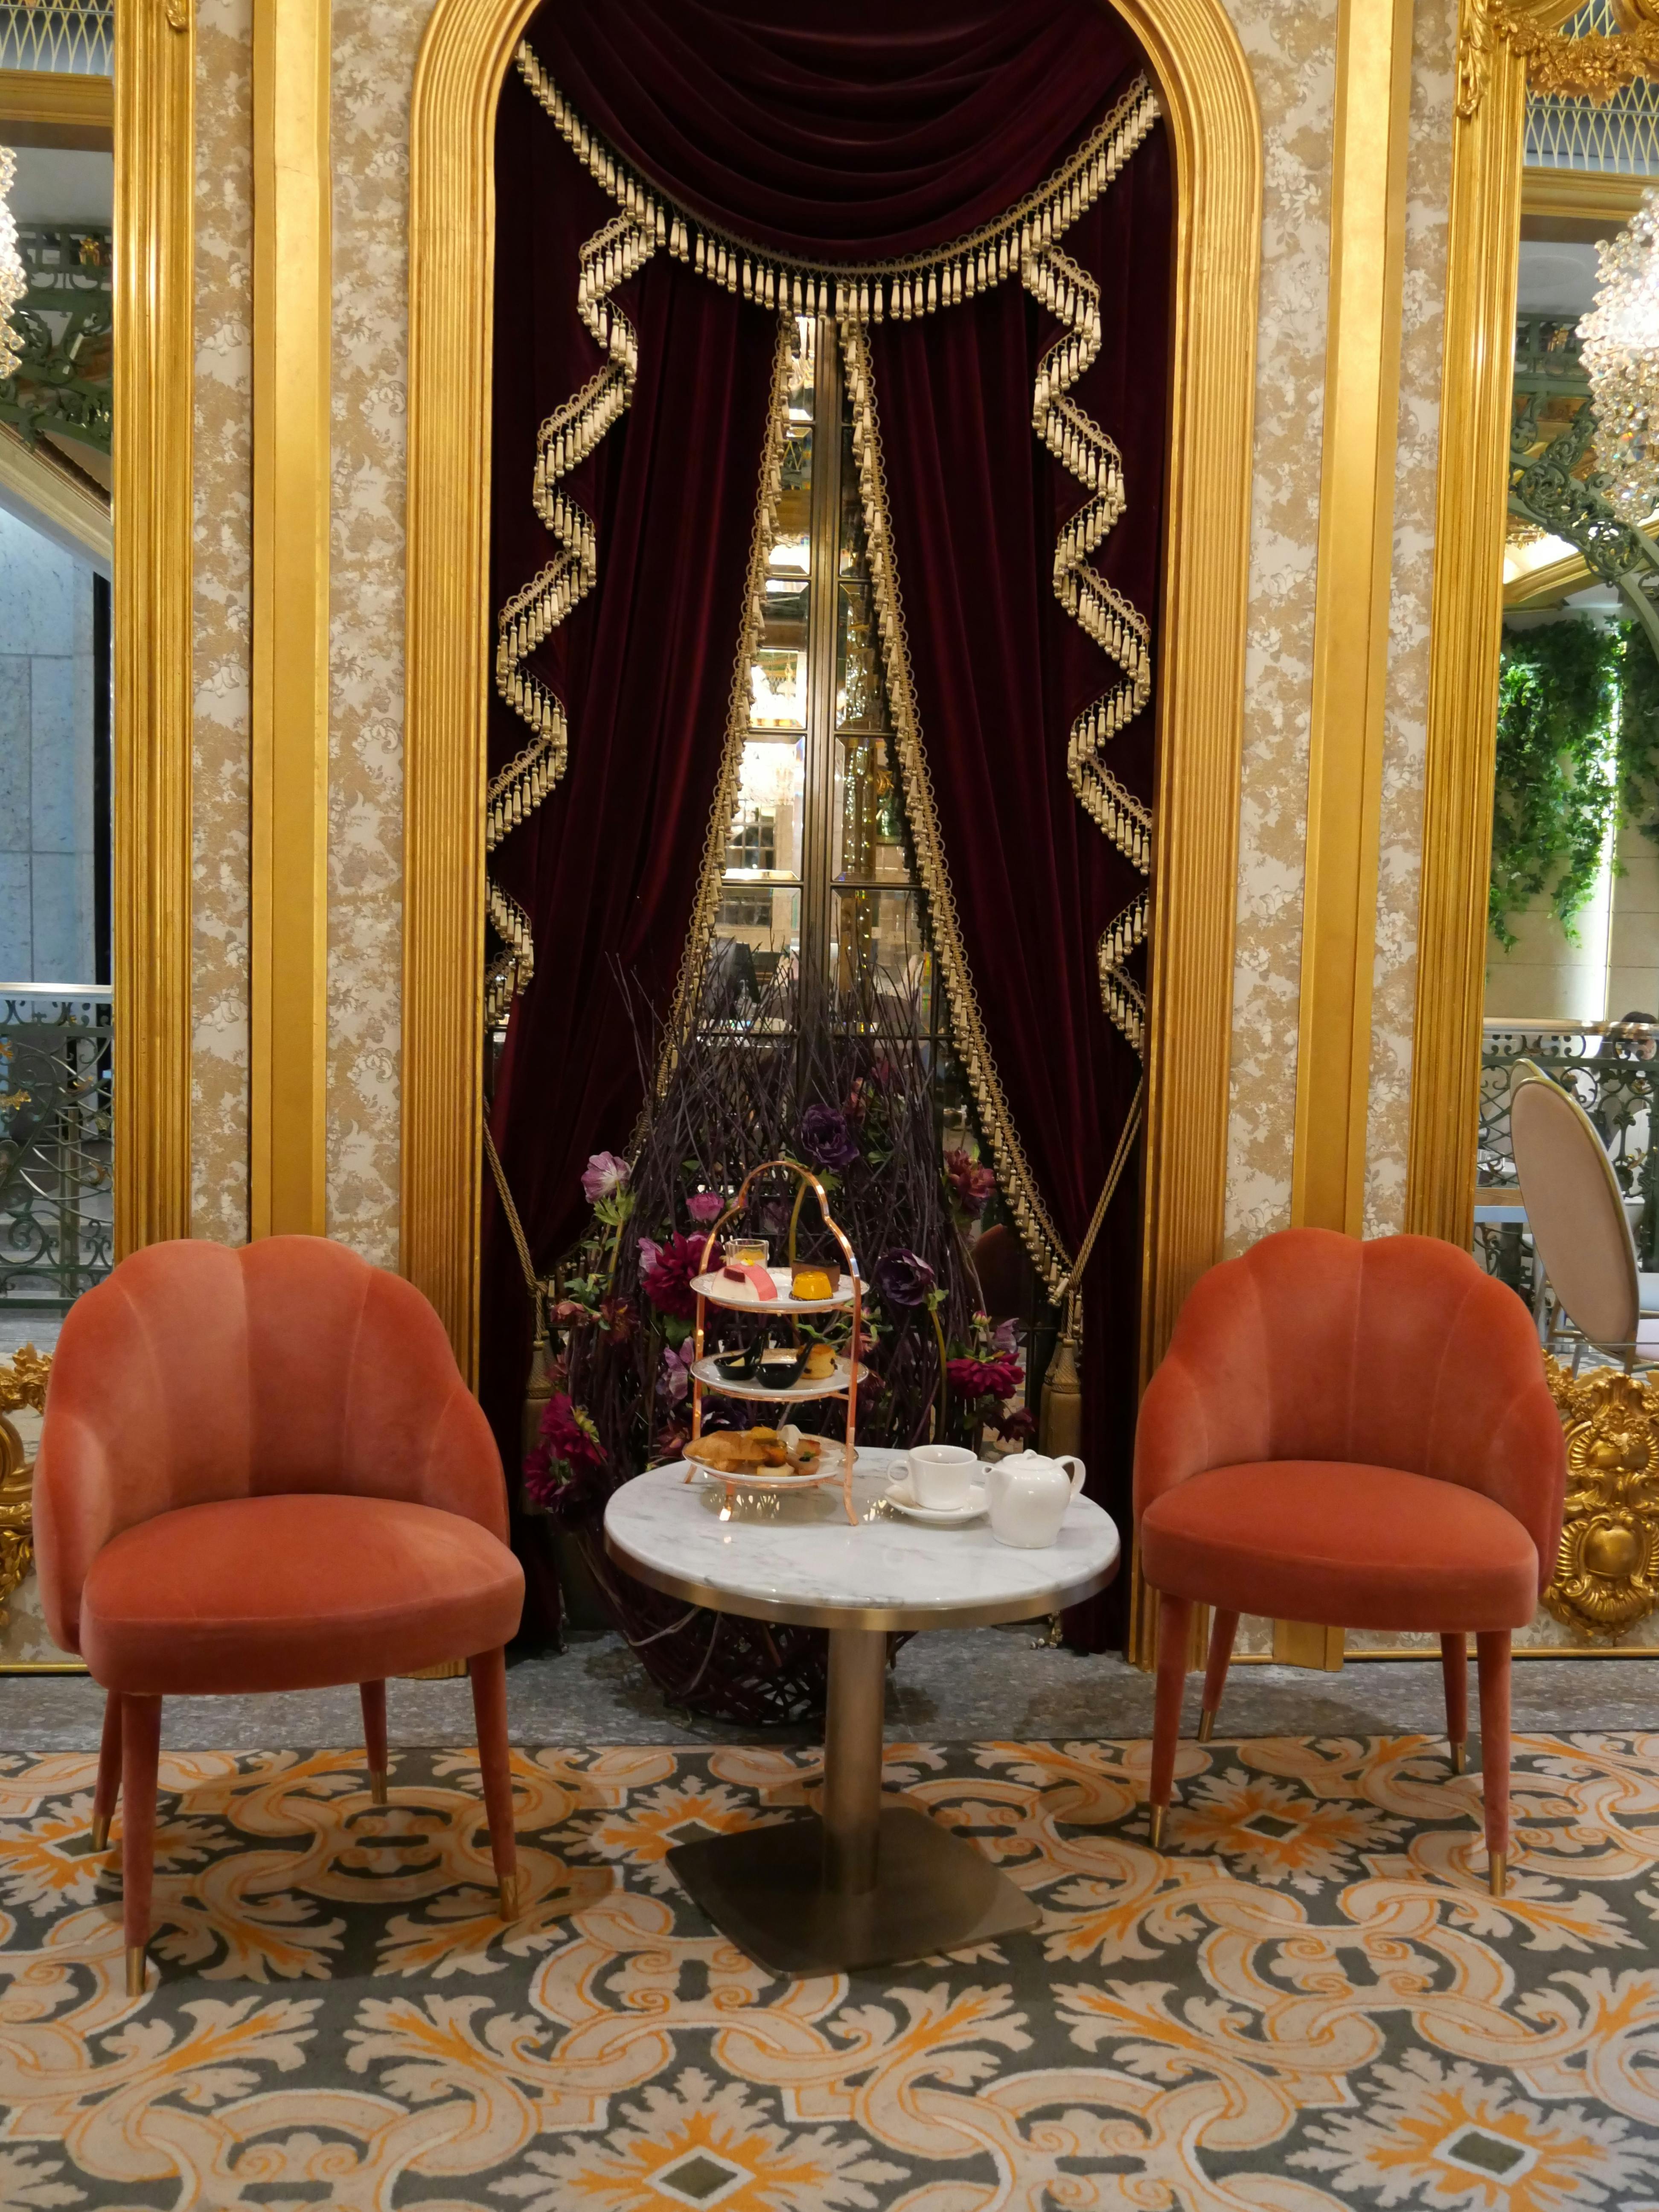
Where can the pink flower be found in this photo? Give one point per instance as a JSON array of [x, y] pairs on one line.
[[705, 1205], [667, 1280], [675, 1380], [606, 1172], [649, 1249]]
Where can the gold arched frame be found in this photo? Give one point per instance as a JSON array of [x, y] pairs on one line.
[[1209, 103], [148, 117], [1465, 624]]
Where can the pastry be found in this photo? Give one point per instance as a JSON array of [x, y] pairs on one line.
[[820, 1362]]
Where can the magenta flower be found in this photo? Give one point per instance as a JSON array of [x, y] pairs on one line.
[[604, 1173], [985, 1378], [569, 1447], [971, 1185], [667, 1280], [704, 1207]]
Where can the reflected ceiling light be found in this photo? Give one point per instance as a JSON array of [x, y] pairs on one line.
[[13, 282], [1619, 338]]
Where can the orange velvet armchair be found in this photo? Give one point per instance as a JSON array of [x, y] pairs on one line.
[[259, 1469], [1358, 1435]]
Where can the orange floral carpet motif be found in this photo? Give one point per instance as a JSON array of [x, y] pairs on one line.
[[1308, 2000]]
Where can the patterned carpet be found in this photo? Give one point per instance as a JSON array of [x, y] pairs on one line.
[[1309, 2001]]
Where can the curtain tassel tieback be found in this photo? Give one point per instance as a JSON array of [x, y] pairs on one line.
[[1059, 1424]]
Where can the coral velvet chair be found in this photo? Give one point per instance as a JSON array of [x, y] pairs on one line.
[[259, 1469], [1359, 1435]]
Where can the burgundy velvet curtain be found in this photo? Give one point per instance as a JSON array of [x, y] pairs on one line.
[[852, 132]]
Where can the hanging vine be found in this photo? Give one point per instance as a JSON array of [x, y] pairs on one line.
[[1578, 756]]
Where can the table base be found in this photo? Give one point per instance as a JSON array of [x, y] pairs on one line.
[[764, 1888]]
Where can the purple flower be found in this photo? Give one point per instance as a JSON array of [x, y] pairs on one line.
[[825, 1138], [649, 1249], [904, 1279], [605, 1172], [705, 1205], [674, 1379]]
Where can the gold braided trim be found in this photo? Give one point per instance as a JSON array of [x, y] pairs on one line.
[[1019, 1185], [768, 501], [863, 291], [570, 433], [1077, 441]]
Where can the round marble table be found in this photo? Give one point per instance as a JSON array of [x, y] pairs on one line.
[[861, 1887]]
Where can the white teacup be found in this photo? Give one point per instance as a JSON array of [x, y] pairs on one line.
[[941, 1476]]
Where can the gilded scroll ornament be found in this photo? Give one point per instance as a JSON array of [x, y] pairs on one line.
[[1607, 1573], [1594, 67], [22, 1383]]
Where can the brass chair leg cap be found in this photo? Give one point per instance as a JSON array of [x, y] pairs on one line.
[[377, 1789], [1498, 1871], [136, 1963], [1460, 1754], [100, 1835], [1205, 1725], [511, 1886], [1158, 1813]]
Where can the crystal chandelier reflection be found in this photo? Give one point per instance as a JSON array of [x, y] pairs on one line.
[[13, 282], [1619, 338]]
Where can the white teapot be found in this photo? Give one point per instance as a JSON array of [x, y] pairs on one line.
[[1029, 1497]]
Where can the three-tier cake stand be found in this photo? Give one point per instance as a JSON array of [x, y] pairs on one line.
[[712, 1288]]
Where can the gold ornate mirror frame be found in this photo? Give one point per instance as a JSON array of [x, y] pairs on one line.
[[1496, 46], [1209, 101]]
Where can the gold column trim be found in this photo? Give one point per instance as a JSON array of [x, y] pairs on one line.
[[1206, 92], [1592, 197], [1607, 1571], [289, 917], [1471, 506], [154, 382], [48, 108], [1351, 620]]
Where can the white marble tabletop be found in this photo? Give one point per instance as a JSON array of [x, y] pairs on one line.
[[792, 1556]]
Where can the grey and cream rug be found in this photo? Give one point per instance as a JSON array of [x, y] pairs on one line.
[[1307, 2001]]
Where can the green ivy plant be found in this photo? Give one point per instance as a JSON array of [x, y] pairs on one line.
[[1577, 755]]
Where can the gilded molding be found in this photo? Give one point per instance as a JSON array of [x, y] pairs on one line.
[[48, 108], [154, 357], [1205, 90], [1482, 264], [290, 700], [1350, 623], [1607, 1572]]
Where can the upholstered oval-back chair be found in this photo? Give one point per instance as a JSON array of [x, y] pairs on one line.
[[260, 1469], [1358, 1435]]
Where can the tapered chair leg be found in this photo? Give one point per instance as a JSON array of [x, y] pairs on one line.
[[1222, 1632], [1455, 1667], [489, 1673], [107, 1787], [1491, 1651], [141, 1750], [1175, 1618], [374, 1700]]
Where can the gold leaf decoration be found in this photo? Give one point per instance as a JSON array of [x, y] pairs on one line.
[[1607, 1573]]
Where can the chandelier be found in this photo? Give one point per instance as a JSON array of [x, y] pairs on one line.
[[13, 282], [1619, 342]]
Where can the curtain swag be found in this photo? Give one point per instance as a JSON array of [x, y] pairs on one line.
[[1021, 243]]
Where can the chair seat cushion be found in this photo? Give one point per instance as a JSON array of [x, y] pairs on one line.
[[294, 1591], [1344, 1544]]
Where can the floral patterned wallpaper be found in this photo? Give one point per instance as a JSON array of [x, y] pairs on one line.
[[223, 458]]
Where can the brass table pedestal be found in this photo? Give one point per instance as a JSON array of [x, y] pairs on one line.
[[866, 1885], [864, 1881]]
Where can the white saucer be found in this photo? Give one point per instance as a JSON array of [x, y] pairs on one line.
[[903, 1499]]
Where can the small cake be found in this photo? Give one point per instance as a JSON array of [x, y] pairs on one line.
[[811, 1282], [820, 1362]]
